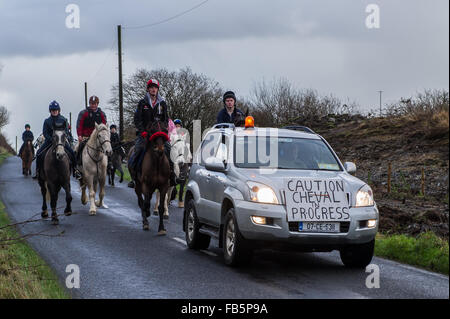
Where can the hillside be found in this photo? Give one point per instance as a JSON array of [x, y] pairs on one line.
[[409, 144]]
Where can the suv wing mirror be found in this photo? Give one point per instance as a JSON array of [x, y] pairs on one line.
[[350, 167], [214, 164]]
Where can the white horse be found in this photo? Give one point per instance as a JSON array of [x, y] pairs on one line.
[[181, 155], [95, 162]]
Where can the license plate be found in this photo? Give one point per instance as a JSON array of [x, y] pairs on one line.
[[318, 227]]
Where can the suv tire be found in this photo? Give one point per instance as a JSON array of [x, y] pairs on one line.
[[357, 256], [194, 239], [236, 249]]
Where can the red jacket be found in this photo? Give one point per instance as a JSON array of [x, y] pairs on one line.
[[87, 119]]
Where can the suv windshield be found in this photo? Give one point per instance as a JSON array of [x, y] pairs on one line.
[[283, 153]]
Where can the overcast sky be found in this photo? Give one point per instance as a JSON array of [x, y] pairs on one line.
[[319, 44]]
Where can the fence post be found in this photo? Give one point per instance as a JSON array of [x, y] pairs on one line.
[[389, 177], [16, 144]]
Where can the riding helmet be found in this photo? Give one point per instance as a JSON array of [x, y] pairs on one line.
[[153, 82], [54, 106], [113, 126], [177, 121], [229, 94], [27, 125], [94, 100]]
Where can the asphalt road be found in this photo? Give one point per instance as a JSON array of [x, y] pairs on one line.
[[117, 259]]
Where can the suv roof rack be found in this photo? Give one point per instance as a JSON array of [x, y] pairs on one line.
[[224, 125], [299, 128]]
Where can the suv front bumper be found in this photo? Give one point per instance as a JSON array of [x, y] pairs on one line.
[[278, 231]]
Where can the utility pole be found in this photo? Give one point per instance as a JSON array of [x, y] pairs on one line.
[[119, 41], [70, 121], [381, 92], [85, 95]]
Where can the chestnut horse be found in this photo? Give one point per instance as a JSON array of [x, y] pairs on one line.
[[154, 174], [27, 158]]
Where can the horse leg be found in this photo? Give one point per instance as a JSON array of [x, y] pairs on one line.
[[156, 208], [44, 213], [83, 194], [91, 190], [101, 193], [167, 203], [146, 207], [68, 209], [180, 195], [113, 173], [162, 194], [138, 191], [121, 173], [53, 201]]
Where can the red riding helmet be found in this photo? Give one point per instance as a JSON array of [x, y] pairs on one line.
[[153, 82]]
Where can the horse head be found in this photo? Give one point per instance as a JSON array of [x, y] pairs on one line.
[[157, 136], [59, 140], [103, 139], [181, 154]]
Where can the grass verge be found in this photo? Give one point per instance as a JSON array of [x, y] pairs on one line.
[[23, 274], [427, 250]]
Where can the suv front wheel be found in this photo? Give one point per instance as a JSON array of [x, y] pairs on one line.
[[194, 239], [236, 250], [358, 256]]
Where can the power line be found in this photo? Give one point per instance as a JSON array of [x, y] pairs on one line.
[[168, 19], [104, 61]]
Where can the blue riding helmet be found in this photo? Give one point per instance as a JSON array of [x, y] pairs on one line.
[[177, 121], [54, 106]]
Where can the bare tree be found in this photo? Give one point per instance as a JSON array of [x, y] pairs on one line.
[[190, 96], [279, 103], [4, 116]]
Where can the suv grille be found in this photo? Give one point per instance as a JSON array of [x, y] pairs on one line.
[[344, 227]]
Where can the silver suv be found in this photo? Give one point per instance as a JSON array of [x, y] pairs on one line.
[[257, 188]]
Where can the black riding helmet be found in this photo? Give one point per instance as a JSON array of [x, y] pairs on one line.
[[27, 125], [113, 126], [229, 94]]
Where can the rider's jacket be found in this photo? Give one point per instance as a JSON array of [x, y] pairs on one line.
[[50, 123], [147, 113], [27, 136], [224, 117], [87, 119], [115, 140]]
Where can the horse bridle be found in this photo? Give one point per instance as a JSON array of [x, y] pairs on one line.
[[101, 150]]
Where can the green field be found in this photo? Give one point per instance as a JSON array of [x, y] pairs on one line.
[[427, 250]]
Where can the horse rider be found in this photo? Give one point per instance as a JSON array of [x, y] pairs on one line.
[[27, 135], [229, 112], [116, 144], [150, 109], [86, 124], [54, 121]]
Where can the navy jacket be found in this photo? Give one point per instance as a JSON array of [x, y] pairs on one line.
[[49, 125], [146, 114], [223, 116], [27, 135]]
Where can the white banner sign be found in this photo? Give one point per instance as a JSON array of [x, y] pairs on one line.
[[312, 199]]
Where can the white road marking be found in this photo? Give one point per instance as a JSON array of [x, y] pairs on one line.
[[181, 241], [210, 253]]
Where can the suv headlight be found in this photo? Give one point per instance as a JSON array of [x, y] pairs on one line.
[[262, 193], [364, 197]]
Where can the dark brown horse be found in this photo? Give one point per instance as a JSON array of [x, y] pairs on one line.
[[154, 174], [54, 175], [27, 157]]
